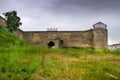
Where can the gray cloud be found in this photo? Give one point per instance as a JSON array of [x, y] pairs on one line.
[[86, 5], [92, 4]]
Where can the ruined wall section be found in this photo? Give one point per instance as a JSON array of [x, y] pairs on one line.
[[69, 38]]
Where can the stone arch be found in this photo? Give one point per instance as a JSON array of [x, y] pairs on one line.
[[51, 44]]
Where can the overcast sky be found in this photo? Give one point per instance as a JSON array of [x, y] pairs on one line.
[[66, 14]]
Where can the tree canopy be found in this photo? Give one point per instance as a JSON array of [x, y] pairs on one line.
[[12, 20]]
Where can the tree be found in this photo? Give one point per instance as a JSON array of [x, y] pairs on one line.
[[12, 20]]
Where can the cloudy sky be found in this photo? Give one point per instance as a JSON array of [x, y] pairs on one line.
[[66, 14]]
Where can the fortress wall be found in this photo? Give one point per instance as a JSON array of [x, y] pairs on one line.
[[100, 38], [69, 38], [94, 38], [2, 21], [18, 33]]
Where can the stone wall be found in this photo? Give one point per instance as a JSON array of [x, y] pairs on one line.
[[94, 38], [68, 38], [2, 21], [18, 33]]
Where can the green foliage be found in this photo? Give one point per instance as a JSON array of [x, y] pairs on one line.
[[8, 39], [16, 63], [12, 20]]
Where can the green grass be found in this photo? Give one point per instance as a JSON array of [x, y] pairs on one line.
[[18, 63], [116, 51], [38, 63], [7, 39]]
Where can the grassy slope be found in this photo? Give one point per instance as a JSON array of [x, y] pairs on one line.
[[8, 39], [37, 63]]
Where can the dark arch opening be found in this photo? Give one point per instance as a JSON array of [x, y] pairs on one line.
[[51, 44]]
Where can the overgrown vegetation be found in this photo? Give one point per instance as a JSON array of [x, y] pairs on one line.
[[19, 61], [8, 39]]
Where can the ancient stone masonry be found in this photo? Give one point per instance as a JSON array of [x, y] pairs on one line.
[[96, 38], [2, 21]]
